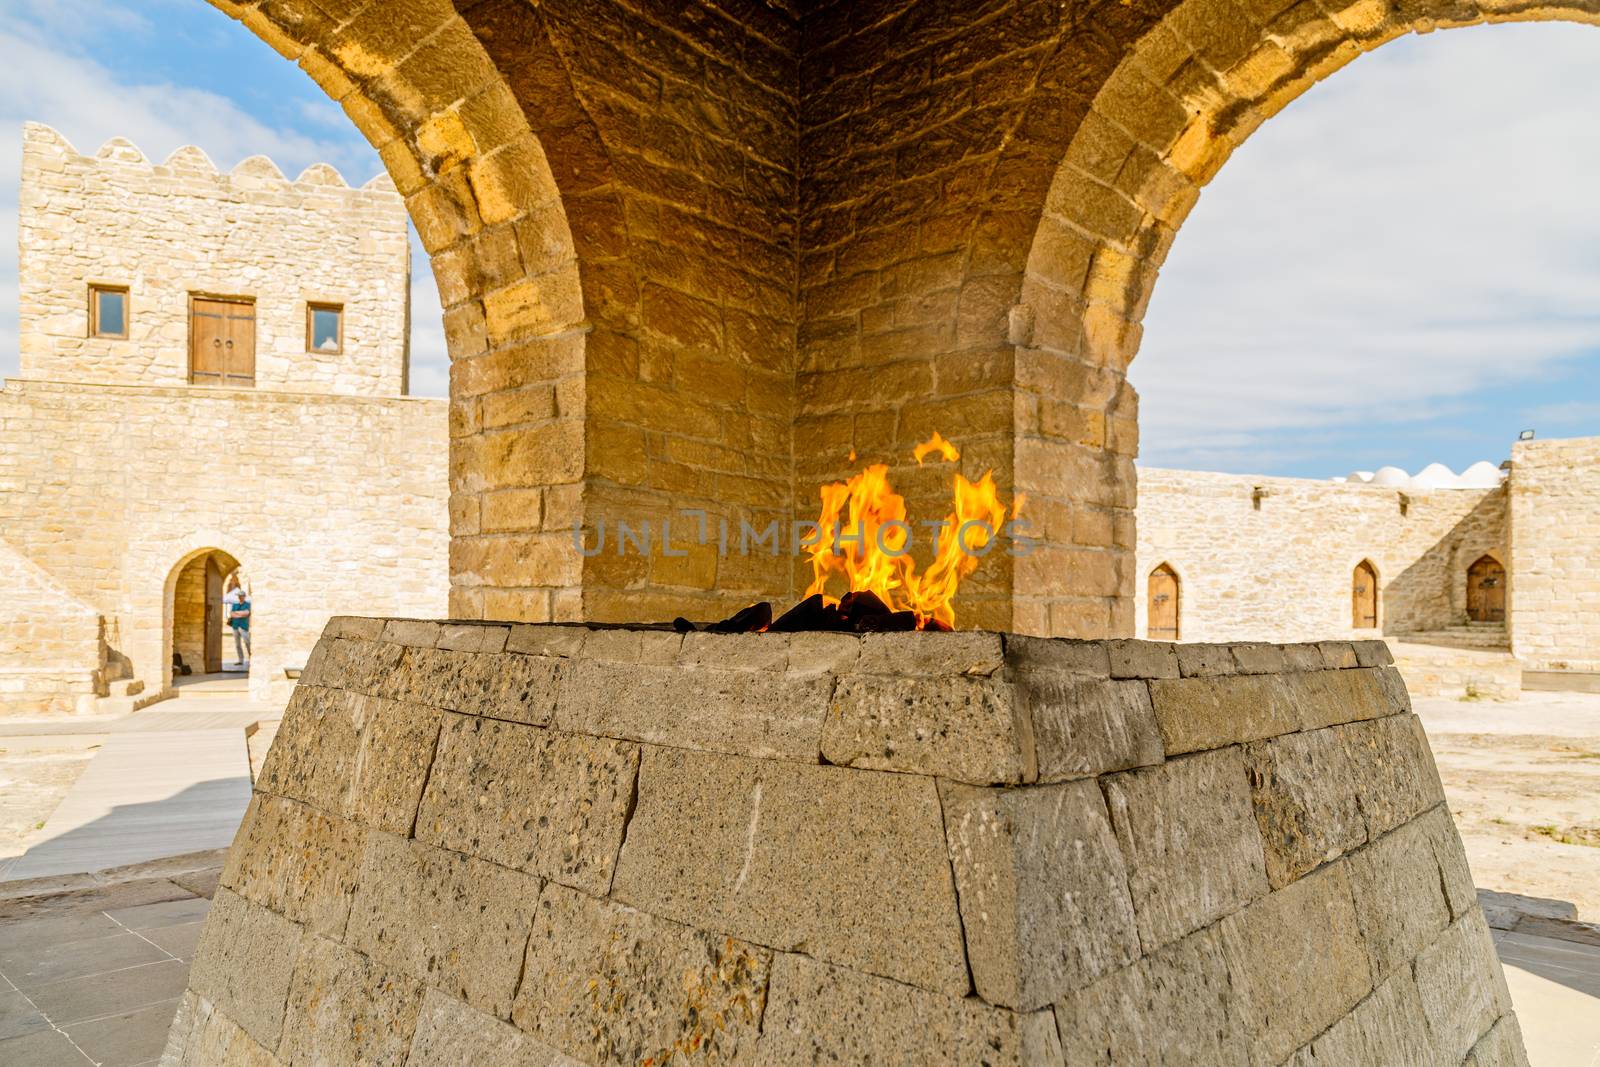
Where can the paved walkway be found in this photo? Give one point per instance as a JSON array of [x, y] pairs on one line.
[[174, 778]]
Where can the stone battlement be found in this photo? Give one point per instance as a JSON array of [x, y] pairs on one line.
[[497, 843]]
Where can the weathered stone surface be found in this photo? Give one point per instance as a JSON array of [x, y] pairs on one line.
[[546, 640], [1202, 713], [604, 983], [620, 645], [1337, 655], [1189, 839], [1460, 894], [823, 653], [1027, 654], [461, 924], [1372, 653], [345, 1009], [1297, 961], [202, 1036], [535, 800], [1326, 698], [768, 714], [369, 629], [359, 666], [1399, 779], [1175, 1007], [1198, 659], [296, 860], [822, 1014], [1142, 659], [412, 633], [932, 654], [1396, 883], [1500, 1047], [1307, 800], [244, 964], [1462, 986], [361, 757], [1303, 657], [735, 652], [1386, 1028], [849, 865], [451, 1034], [499, 685], [963, 728], [1083, 727], [473, 637], [1259, 657], [1043, 893]]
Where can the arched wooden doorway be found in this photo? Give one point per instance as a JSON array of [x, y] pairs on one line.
[[1165, 599], [197, 621], [1486, 590], [1364, 596]]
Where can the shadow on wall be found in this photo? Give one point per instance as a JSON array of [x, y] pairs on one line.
[[1431, 593]]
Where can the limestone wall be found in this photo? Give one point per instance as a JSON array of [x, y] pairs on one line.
[[1282, 571], [180, 228], [50, 653], [330, 503], [1555, 515], [495, 844]]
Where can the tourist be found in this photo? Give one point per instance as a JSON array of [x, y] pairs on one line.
[[236, 609]]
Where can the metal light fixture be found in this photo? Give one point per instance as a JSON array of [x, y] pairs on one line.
[[1525, 435]]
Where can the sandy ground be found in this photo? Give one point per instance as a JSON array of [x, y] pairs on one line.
[[35, 773], [1523, 782]]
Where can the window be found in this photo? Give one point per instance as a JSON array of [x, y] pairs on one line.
[[325, 328], [108, 311]]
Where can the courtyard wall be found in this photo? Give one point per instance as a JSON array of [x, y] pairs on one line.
[[1555, 554], [49, 641], [1279, 568]]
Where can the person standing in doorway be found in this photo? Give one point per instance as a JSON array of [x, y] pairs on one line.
[[236, 609]]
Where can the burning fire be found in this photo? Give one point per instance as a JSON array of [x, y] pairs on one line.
[[871, 548]]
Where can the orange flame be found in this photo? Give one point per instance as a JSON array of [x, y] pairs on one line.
[[866, 536]]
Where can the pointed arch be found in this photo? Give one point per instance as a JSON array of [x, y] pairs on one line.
[[1365, 598], [1164, 595]]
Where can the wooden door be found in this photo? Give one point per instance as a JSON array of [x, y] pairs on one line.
[[222, 342], [213, 657], [1164, 595], [1364, 597], [1486, 591]]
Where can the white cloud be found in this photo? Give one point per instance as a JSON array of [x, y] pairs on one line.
[[44, 82], [1417, 229]]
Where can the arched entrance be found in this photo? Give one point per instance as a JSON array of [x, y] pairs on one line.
[[1165, 603], [1364, 596], [1486, 590], [201, 635]]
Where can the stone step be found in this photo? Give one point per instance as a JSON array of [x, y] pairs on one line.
[[1467, 673]]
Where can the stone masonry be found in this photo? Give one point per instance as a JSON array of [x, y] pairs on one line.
[[322, 480], [1554, 608], [479, 843]]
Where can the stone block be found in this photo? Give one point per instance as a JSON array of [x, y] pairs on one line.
[[1397, 883], [540, 639], [451, 1034], [202, 1036], [345, 1009], [1190, 842], [735, 652], [963, 728], [1174, 1007], [498, 685], [296, 860], [1386, 1028], [927, 654], [1043, 893], [1440, 830], [1056, 654], [535, 800], [1327, 698], [412, 633], [1399, 780], [1142, 659], [1198, 659], [1337, 655], [1084, 727], [354, 626], [1259, 657], [849, 865], [458, 923], [473, 637], [396, 749], [823, 653], [1307, 801], [1202, 713], [244, 964], [1500, 1047], [1303, 657], [1372, 653], [620, 645], [352, 664], [604, 983], [818, 1013], [1462, 986], [768, 714], [1297, 962], [1394, 689]]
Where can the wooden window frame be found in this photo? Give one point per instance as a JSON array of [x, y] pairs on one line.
[[95, 289], [312, 307]]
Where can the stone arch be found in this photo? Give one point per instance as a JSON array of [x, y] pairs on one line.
[[1164, 608], [1160, 127], [171, 616], [1366, 595], [489, 207]]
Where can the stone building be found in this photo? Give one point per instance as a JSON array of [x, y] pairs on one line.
[[1510, 567], [213, 375]]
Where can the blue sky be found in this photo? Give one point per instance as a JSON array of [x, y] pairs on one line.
[[1403, 267]]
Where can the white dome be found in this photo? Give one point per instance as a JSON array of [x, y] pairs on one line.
[[1481, 475], [1391, 476], [1435, 476], [1359, 476]]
